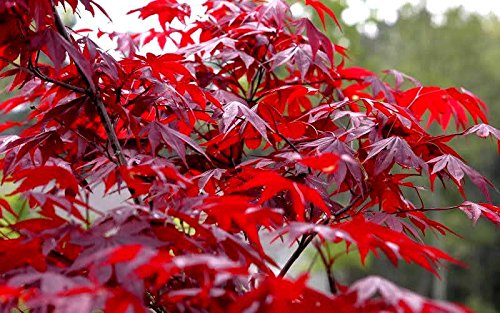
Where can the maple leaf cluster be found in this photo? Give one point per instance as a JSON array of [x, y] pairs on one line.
[[254, 125]]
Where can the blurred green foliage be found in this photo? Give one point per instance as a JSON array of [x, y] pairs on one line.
[[17, 205]]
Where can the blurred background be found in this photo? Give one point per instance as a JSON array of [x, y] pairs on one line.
[[439, 42]]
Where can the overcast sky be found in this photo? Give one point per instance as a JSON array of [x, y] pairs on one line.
[[386, 10]]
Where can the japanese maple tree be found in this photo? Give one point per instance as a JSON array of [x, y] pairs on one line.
[[252, 128]]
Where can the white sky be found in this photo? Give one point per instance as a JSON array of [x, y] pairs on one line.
[[117, 10], [358, 12], [386, 10]]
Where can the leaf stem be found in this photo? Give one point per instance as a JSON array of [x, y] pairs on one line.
[[328, 267]]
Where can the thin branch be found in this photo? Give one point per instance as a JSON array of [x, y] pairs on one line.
[[296, 254], [306, 240], [14, 64], [347, 207], [328, 267], [289, 143], [255, 85], [101, 108], [33, 70], [36, 72]]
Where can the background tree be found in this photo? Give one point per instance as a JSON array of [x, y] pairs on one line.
[[254, 126]]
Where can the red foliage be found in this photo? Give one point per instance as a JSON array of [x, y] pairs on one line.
[[253, 126]]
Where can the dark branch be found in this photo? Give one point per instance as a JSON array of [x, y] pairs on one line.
[[328, 267], [101, 108], [306, 240]]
